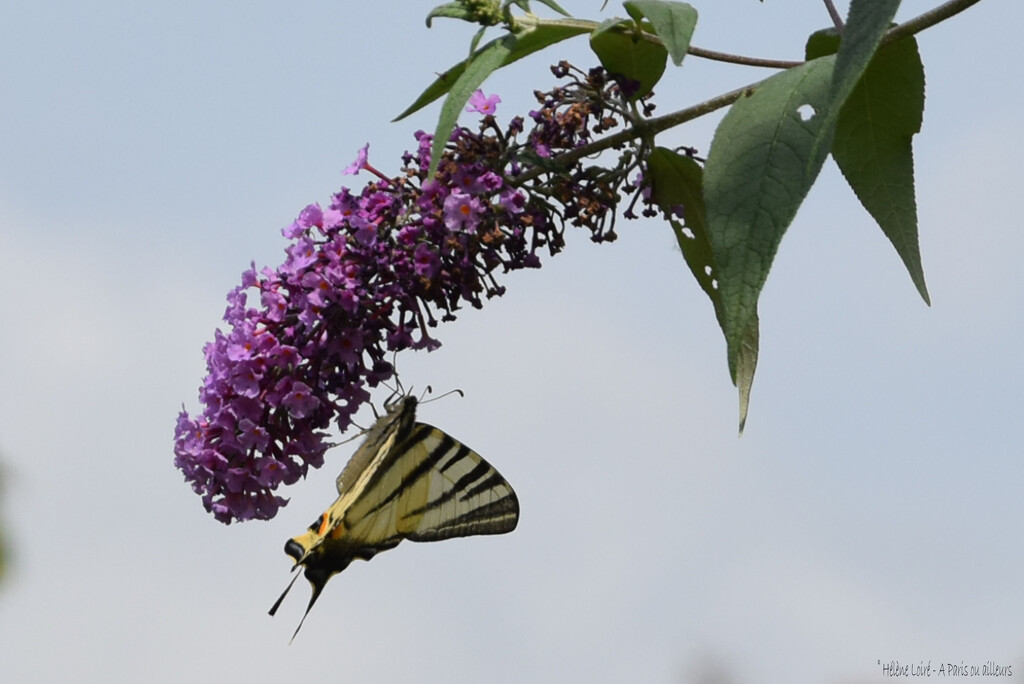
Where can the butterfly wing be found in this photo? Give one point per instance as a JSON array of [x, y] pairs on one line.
[[431, 487], [407, 480]]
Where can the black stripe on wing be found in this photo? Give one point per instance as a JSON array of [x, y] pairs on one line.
[[395, 453], [469, 495], [497, 517], [492, 481], [494, 511], [489, 480], [421, 469]]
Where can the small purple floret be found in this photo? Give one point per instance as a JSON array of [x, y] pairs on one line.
[[478, 102], [359, 164]]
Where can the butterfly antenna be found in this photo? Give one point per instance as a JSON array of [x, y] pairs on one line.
[[392, 393], [277, 603], [441, 396], [362, 431]]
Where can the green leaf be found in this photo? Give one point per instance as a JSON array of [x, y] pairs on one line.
[[821, 44], [766, 154], [484, 63], [873, 144], [673, 22], [756, 176], [554, 6], [474, 42], [867, 22], [545, 33], [452, 10], [677, 181], [625, 52], [746, 363]]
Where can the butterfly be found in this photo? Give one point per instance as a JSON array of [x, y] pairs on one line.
[[407, 480]]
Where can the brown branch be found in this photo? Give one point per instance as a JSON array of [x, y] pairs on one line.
[[663, 123], [837, 18], [740, 59], [927, 20], [907, 28]]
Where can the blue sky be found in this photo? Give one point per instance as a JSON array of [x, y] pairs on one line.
[[870, 513]]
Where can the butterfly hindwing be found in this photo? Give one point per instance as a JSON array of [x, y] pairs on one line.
[[464, 495]]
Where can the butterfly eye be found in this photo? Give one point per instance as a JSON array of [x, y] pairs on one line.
[[294, 549]]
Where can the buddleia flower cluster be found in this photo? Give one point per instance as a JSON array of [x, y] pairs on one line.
[[373, 273]]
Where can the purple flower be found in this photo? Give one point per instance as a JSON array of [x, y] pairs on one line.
[[300, 400], [359, 164], [300, 255], [478, 102], [427, 263], [271, 472], [469, 181], [366, 232], [311, 216], [371, 274], [512, 201], [348, 347], [252, 434], [400, 338], [274, 304], [244, 378], [461, 212]]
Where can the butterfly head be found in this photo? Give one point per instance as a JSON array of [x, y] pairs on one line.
[[319, 568]]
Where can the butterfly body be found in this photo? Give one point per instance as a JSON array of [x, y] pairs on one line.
[[407, 480]]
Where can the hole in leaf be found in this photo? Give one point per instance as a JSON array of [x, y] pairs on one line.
[[707, 270], [688, 233], [805, 112]]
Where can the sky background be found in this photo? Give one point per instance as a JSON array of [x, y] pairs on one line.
[[871, 512]]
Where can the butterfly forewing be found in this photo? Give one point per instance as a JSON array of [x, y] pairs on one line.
[[466, 495], [395, 425]]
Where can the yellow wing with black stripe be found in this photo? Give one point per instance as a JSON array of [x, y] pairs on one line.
[[407, 480]]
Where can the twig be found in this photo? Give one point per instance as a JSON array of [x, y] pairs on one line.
[[837, 18], [648, 127], [927, 20], [588, 25], [663, 123], [740, 59]]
